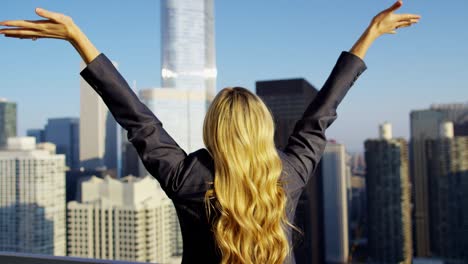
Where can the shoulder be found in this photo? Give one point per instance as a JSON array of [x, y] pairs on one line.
[[195, 176]]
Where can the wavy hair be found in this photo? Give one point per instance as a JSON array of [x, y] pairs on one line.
[[247, 194]]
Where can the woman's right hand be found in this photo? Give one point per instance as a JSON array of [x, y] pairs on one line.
[[387, 22], [57, 26]]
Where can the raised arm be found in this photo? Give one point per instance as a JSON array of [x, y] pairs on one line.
[[160, 154], [307, 142]]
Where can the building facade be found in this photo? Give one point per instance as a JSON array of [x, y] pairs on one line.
[[388, 199], [447, 160], [130, 219], [188, 45], [424, 126], [32, 198], [100, 140], [8, 121], [181, 111], [65, 134], [335, 206]]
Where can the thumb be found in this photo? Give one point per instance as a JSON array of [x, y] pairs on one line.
[[395, 6]]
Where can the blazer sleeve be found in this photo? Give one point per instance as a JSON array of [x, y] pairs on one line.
[[159, 152], [307, 142]]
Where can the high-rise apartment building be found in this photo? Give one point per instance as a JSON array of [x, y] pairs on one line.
[[32, 198], [388, 199], [447, 160], [130, 219], [7, 121], [425, 125]]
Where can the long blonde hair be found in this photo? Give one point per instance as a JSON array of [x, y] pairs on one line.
[[247, 195]]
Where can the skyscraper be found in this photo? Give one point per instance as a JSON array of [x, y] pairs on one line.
[[64, 133], [287, 100], [425, 125], [128, 219], [181, 111], [99, 132], [388, 199], [335, 205], [447, 160], [32, 198], [188, 45], [7, 121]]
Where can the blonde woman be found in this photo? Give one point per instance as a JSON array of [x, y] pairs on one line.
[[235, 199]]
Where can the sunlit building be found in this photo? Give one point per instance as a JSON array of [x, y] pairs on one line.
[[425, 125], [188, 45], [130, 219], [335, 203], [447, 160], [32, 198], [100, 136]]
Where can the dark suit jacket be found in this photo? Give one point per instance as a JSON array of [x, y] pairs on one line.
[[185, 178]]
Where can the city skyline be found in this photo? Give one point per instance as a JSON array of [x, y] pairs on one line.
[[398, 197], [248, 50]]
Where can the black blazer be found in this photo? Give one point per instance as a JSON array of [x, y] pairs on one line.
[[185, 178]]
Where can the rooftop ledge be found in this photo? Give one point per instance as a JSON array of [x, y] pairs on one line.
[[24, 258]]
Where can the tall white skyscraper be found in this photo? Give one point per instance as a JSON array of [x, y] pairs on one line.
[[32, 198], [188, 45], [335, 198], [129, 219], [99, 133]]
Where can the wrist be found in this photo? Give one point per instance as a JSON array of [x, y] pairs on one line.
[[372, 32], [74, 34]]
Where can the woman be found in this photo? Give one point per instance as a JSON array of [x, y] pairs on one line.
[[235, 199]]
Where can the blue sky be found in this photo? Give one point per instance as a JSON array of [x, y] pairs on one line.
[[255, 40]]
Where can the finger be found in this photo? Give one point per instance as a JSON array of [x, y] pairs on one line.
[[34, 24], [404, 24], [395, 6], [407, 17], [25, 33], [19, 31], [48, 14], [26, 36]]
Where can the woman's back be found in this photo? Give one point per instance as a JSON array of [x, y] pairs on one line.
[[187, 178]]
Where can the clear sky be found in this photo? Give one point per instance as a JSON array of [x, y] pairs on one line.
[[255, 40]]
